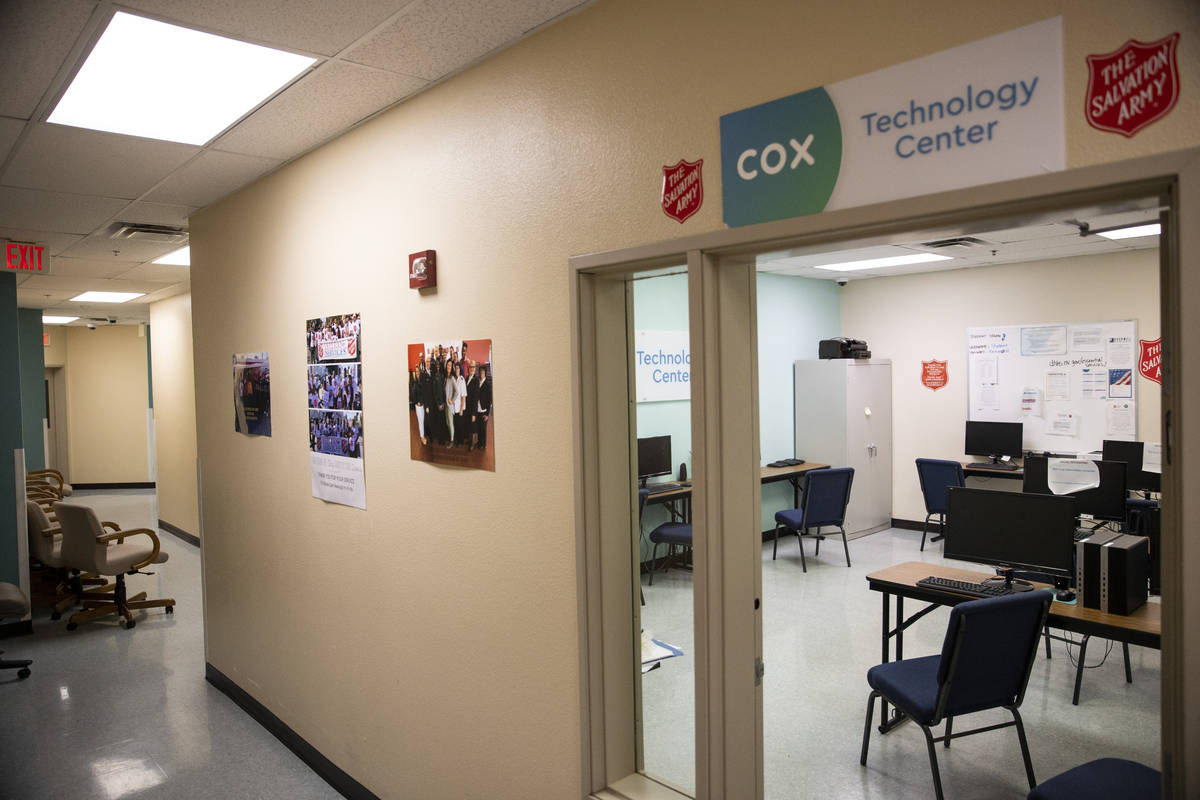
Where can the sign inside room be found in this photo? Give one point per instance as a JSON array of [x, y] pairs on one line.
[[987, 111], [1133, 86], [933, 374], [662, 365], [26, 257], [1150, 359]]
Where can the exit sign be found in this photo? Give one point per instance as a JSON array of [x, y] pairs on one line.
[[23, 257]]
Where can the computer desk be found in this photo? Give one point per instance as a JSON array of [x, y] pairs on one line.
[[683, 493], [1143, 627], [973, 469]]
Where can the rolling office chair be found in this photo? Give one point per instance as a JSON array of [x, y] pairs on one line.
[[826, 495], [45, 546], [937, 476], [14, 605], [986, 657], [51, 479], [86, 546]]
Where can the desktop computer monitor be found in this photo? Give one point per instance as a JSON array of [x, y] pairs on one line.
[[1106, 502], [1131, 453], [993, 439], [654, 456], [1013, 530]]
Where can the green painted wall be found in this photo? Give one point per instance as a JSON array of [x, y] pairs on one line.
[[10, 427], [33, 386]]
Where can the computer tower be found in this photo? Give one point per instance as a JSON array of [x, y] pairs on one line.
[[1124, 570], [1087, 567]]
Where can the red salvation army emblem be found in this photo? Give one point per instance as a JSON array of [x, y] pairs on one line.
[[682, 189], [1150, 359], [1132, 87], [933, 374]]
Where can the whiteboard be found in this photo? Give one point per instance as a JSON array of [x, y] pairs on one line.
[[1073, 385]]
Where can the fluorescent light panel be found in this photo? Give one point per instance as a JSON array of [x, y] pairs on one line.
[[52, 320], [177, 258], [890, 261], [1154, 229], [106, 297], [149, 78]]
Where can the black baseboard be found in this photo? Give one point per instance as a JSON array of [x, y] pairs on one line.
[[16, 628], [912, 525], [179, 533], [133, 485], [330, 772]]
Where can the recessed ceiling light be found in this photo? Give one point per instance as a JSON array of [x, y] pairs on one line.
[[148, 78], [177, 258], [51, 320], [890, 261], [1154, 229], [105, 297]]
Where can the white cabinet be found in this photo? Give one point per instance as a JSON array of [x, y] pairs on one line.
[[844, 419]]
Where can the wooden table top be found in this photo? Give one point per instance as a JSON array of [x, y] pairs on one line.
[[768, 475], [1147, 619]]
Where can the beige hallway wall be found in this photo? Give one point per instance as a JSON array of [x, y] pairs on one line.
[[429, 645], [175, 411]]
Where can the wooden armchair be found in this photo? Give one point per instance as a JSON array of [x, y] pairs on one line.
[[51, 479]]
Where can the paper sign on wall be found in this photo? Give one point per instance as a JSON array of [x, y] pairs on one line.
[[1069, 475], [1121, 422], [1063, 423], [335, 403], [1031, 402], [1152, 457], [662, 366]]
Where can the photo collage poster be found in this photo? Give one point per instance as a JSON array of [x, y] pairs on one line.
[[450, 403], [335, 418], [252, 393]]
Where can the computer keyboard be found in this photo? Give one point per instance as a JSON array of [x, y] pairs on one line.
[[965, 587], [659, 488], [1004, 465]]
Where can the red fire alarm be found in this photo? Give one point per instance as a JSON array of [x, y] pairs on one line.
[[422, 269]]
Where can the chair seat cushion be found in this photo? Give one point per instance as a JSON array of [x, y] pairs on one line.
[[672, 533], [13, 602], [119, 558], [910, 685], [791, 517], [1101, 779]]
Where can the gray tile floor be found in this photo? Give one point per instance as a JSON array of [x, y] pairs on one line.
[[111, 713], [821, 633]]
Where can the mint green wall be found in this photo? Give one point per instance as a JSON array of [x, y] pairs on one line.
[[10, 428], [794, 314], [33, 386]]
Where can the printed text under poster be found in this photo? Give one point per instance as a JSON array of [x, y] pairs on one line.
[[335, 418], [450, 409]]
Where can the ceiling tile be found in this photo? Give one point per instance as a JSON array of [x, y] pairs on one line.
[[344, 93], [10, 129], [75, 285], [38, 36], [313, 26], [54, 211], [33, 298], [210, 177], [157, 214], [166, 291], [62, 158], [65, 267], [158, 273], [100, 247], [54, 242]]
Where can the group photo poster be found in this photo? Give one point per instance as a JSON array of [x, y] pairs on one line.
[[450, 403], [335, 418], [252, 393]]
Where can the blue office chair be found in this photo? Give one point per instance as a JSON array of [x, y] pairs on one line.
[[668, 533], [826, 495], [989, 649], [936, 476], [1103, 779]]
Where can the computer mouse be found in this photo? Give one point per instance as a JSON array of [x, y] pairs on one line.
[[1065, 596]]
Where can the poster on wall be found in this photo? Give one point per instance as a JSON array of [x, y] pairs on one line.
[[450, 403], [252, 393], [335, 409], [662, 366]]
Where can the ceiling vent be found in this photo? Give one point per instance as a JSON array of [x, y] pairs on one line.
[[143, 232], [956, 242]]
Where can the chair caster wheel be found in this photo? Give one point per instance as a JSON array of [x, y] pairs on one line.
[[170, 609], [23, 673], [71, 626], [129, 624]]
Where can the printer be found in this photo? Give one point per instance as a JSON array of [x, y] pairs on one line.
[[843, 348]]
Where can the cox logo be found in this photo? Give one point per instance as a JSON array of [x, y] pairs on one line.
[[774, 157]]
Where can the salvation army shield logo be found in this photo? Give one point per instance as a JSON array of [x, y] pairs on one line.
[[1132, 87], [933, 374], [682, 189], [1150, 359]]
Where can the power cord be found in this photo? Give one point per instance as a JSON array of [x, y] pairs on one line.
[[1068, 642]]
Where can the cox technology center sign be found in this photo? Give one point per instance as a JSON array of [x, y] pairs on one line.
[[987, 111]]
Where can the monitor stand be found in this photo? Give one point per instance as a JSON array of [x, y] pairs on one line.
[[994, 462], [1005, 576]]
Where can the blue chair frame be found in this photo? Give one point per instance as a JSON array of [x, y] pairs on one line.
[[826, 495], [970, 674], [936, 476]]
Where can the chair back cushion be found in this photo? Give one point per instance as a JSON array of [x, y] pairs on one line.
[[826, 496], [41, 547], [80, 527], [989, 650], [936, 476]]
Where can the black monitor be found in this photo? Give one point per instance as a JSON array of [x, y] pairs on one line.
[[1011, 530], [1131, 453], [1106, 502], [654, 456], [994, 439]]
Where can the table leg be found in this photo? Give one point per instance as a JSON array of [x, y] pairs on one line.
[[1079, 669], [887, 620], [899, 628]]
